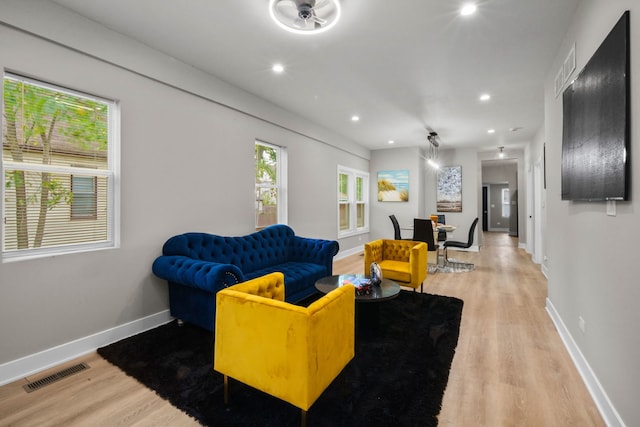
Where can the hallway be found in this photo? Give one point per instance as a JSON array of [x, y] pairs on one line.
[[511, 367]]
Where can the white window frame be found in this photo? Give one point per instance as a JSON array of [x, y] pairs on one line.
[[112, 173], [353, 203], [281, 181]]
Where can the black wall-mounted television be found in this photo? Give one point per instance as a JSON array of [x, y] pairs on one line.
[[596, 123]]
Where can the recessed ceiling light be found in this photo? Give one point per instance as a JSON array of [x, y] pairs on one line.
[[277, 68], [485, 97], [391, 141], [355, 118], [491, 131], [468, 9]]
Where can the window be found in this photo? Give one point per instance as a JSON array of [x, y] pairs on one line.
[[271, 206], [506, 208], [83, 203], [353, 201], [50, 205]]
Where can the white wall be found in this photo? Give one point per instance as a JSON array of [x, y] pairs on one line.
[[592, 257], [396, 159], [187, 165], [467, 158]]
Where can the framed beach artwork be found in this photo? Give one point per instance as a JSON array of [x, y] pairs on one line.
[[393, 186], [449, 197]]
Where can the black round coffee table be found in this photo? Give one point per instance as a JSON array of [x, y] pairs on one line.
[[387, 290], [367, 315]]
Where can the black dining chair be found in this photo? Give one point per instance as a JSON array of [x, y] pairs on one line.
[[396, 228], [457, 244], [423, 232], [442, 235]]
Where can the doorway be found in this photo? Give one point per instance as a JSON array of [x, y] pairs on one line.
[[500, 196], [485, 208]]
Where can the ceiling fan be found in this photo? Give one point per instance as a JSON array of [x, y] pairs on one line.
[[305, 16]]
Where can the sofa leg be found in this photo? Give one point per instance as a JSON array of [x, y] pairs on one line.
[[303, 418], [180, 322], [226, 390]]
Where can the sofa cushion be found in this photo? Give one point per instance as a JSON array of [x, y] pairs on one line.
[[299, 278]]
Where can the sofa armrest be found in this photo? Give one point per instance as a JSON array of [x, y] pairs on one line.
[[372, 253], [208, 276], [418, 261], [316, 251]]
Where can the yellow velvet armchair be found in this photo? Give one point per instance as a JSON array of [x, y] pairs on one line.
[[288, 351], [403, 261]]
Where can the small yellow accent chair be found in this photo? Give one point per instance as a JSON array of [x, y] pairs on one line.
[[403, 261], [287, 351]]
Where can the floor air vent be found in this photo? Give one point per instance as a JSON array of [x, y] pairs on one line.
[[43, 382]]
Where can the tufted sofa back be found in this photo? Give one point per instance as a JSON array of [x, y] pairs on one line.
[[266, 247], [396, 250]]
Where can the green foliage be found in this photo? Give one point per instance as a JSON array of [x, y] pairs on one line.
[[266, 164], [266, 173], [36, 119]]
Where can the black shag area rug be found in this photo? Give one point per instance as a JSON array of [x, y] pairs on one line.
[[397, 378]]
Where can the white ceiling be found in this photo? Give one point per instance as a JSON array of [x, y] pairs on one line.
[[400, 65]]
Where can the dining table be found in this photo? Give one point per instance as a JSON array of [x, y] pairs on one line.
[[447, 228]]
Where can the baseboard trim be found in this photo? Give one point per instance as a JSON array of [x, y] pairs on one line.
[[606, 408], [545, 271], [349, 252], [29, 365]]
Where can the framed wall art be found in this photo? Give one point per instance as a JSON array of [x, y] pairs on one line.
[[393, 186], [449, 191]]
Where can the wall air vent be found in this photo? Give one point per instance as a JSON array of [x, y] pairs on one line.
[[50, 379]]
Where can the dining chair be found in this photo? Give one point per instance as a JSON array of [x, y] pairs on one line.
[[423, 232], [396, 228], [457, 244], [442, 235]]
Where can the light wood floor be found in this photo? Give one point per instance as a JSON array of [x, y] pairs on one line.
[[510, 367]]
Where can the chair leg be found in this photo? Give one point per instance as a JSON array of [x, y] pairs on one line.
[[303, 418], [226, 390]]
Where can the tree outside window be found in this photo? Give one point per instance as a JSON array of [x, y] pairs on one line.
[[270, 195], [46, 131]]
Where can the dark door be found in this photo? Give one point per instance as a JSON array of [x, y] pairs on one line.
[[485, 209]]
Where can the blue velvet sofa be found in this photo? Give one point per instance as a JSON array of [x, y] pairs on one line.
[[197, 265]]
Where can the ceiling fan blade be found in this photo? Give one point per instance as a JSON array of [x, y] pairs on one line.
[[319, 21], [304, 24], [321, 3], [299, 3], [286, 10]]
